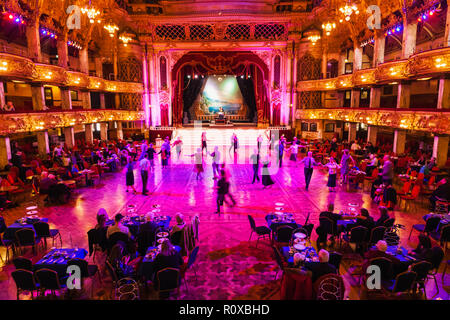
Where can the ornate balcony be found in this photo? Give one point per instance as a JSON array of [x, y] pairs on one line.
[[35, 121], [423, 64], [20, 68], [436, 122]]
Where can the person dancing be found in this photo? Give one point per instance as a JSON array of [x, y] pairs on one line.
[[266, 178], [198, 166], [234, 143], [204, 146], [255, 164], [223, 189], [309, 168], [345, 165], [259, 142], [294, 150], [215, 162], [177, 144], [130, 175], [332, 173]]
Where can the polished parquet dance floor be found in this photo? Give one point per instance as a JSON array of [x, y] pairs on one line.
[[228, 266]]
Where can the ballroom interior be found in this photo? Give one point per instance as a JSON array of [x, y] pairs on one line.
[[83, 80]]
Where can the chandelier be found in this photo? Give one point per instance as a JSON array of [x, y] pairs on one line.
[[91, 12], [314, 39], [328, 27], [125, 40], [348, 10], [111, 29]]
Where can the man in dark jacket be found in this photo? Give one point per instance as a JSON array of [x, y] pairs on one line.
[[146, 235], [322, 267]]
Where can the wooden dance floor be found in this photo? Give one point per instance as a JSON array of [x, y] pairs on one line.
[[228, 266]]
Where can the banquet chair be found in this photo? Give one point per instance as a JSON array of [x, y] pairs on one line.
[[413, 196], [188, 265], [87, 270], [372, 178], [283, 235], [442, 206], [27, 238], [404, 283], [437, 255], [389, 223], [329, 287], [23, 263], [335, 260], [175, 238], [405, 189], [49, 280], [261, 231], [118, 237], [326, 227], [43, 231], [443, 236], [386, 268], [279, 260], [94, 241], [430, 225], [24, 281], [357, 237], [376, 234], [421, 268], [168, 280], [9, 245]]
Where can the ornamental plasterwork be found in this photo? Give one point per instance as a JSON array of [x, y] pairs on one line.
[[174, 56], [264, 55]]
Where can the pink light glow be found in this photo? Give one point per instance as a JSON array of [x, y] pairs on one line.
[[145, 102]]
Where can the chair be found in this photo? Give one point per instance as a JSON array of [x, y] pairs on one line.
[[430, 225], [403, 283], [437, 255], [283, 235], [27, 238], [443, 237], [175, 238], [376, 234], [24, 281], [413, 196], [335, 259], [8, 244], [168, 280], [23, 263], [386, 267], [279, 260], [87, 270], [190, 262], [405, 189], [372, 178], [43, 231], [327, 226], [389, 223], [357, 236], [118, 237], [94, 241], [48, 280], [421, 268], [329, 287], [261, 231]]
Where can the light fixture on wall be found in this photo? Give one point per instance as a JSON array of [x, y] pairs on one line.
[[328, 27], [314, 39]]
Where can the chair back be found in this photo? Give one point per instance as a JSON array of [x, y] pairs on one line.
[[307, 219], [326, 225], [24, 279], [329, 287], [389, 223], [415, 191], [406, 187], [375, 173], [414, 173], [42, 229], [431, 181], [23, 263], [445, 234], [358, 234], [82, 264], [175, 238], [116, 237], [432, 224], [48, 279], [168, 279], [284, 234], [404, 281], [421, 268], [25, 237], [437, 255], [252, 223], [309, 227], [335, 259], [192, 257], [111, 271], [278, 257], [377, 234], [385, 265], [116, 252]]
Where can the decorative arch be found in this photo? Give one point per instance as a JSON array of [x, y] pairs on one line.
[[277, 71], [222, 62], [163, 72]]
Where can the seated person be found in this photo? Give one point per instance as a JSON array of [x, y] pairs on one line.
[[363, 220], [333, 216], [380, 252], [180, 224], [441, 193], [322, 267], [9, 107], [375, 186], [146, 236], [118, 227], [102, 229], [384, 215], [47, 181], [168, 257], [389, 198]]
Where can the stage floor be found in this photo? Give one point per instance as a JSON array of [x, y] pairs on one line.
[[228, 266]]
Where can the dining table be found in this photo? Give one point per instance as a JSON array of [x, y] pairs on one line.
[[57, 259], [146, 268], [133, 222], [23, 223], [285, 219], [308, 251]]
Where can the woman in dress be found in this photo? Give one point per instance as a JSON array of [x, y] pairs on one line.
[[198, 166], [259, 142], [332, 172], [164, 158], [130, 174], [345, 165], [177, 144], [204, 142], [266, 178], [294, 150]]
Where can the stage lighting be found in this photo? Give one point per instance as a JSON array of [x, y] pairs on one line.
[[242, 77], [188, 76], [196, 76]]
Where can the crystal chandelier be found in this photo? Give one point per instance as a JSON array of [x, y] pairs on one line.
[[111, 29], [328, 27], [348, 10], [91, 12], [314, 39], [125, 40]]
